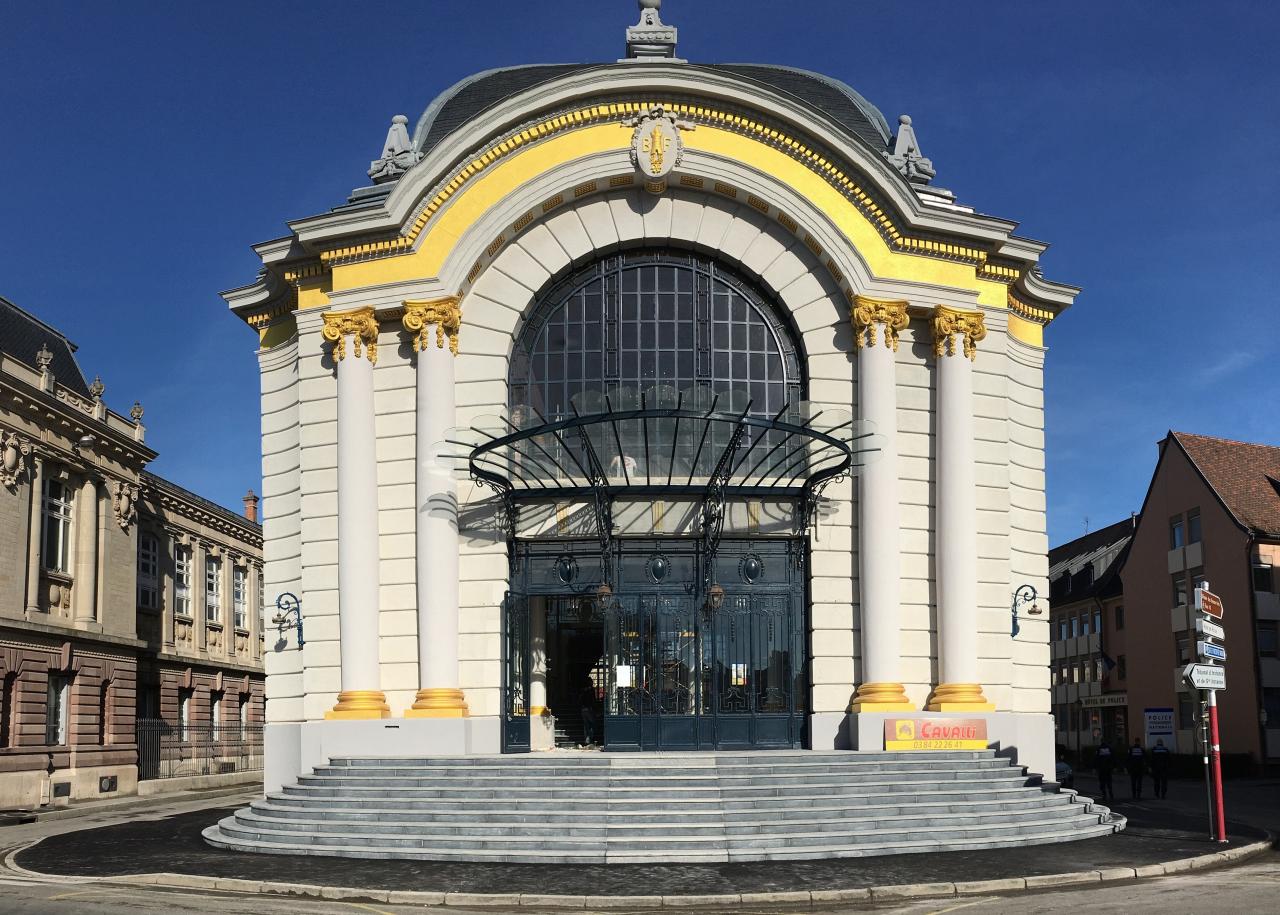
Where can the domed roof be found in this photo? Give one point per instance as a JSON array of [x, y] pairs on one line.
[[467, 99]]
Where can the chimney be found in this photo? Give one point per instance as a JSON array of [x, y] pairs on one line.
[[251, 506]]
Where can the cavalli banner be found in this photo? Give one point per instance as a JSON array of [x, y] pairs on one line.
[[935, 734]]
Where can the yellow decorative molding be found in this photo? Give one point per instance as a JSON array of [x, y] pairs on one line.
[[358, 323], [868, 313], [881, 697], [1027, 311], [730, 127], [360, 703], [947, 322], [959, 697], [438, 703], [444, 314]]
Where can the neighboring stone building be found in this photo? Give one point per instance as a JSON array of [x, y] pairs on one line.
[[104, 615], [1087, 621], [565, 278]]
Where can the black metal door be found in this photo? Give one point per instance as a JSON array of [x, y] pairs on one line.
[[517, 657]]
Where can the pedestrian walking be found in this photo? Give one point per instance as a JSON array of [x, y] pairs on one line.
[[1104, 762], [1137, 768], [1160, 769]]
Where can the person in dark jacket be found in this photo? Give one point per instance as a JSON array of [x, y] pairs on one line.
[[1104, 763], [1160, 769], [1137, 768]]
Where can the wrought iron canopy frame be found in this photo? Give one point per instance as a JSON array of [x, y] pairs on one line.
[[785, 457]]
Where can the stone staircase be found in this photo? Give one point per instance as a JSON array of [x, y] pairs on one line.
[[562, 807]]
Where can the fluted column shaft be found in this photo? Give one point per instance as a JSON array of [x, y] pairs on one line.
[[435, 326], [35, 534], [956, 335], [85, 591], [876, 325], [354, 335]]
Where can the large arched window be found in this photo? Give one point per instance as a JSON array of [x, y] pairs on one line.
[[641, 320]]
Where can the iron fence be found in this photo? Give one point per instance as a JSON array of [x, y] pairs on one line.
[[167, 750]]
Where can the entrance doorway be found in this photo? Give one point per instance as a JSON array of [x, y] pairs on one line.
[[575, 669], [657, 664]]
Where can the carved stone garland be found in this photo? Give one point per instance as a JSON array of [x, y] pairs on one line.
[[14, 451]]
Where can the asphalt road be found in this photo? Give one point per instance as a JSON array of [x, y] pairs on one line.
[[1252, 887]]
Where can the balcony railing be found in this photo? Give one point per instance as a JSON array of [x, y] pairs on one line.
[[167, 750]]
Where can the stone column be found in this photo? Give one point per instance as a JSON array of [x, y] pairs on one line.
[[956, 537], [878, 510], [35, 535], [85, 589], [199, 596], [436, 511], [167, 586], [538, 652], [361, 695]]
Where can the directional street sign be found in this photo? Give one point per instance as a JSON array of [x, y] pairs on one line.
[[1208, 602], [1210, 630], [1205, 676], [1210, 650]]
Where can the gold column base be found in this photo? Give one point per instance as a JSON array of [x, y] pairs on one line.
[[959, 697], [359, 703], [438, 703], [881, 697]]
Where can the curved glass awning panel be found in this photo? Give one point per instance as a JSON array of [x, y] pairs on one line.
[[661, 441]]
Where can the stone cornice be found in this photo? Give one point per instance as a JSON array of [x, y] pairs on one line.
[[176, 501], [57, 412]]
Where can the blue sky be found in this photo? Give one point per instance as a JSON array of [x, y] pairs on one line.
[[144, 146]]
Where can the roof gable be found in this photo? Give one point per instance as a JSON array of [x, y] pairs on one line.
[[1242, 475]]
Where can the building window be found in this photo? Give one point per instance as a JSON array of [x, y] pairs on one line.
[[104, 714], [184, 714], [182, 581], [245, 699], [1186, 712], [1267, 646], [644, 318], [1084, 623], [1097, 621], [1263, 579], [1179, 590], [57, 710], [1182, 648], [8, 709], [1062, 628], [1197, 577], [215, 714], [1075, 717], [1121, 668], [1193, 526], [1075, 627], [212, 589], [1097, 670], [1119, 614], [1086, 672], [58, 501], [1177, 533], [148, 572], [240, 596], [1271, 705], [262, 601]]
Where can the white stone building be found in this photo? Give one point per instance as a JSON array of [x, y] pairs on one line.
[[542, 247]]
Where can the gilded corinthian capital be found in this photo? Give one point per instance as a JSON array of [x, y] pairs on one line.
[[358, 323], [947, 322], [868, 313], [444, 314]]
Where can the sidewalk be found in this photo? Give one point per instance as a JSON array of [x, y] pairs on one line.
[[173, 846], [119, 804]]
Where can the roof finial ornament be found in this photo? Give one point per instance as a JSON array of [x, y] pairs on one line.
[[398, 154], [650, 39], [97, 389], [906, 156], [44, 358]]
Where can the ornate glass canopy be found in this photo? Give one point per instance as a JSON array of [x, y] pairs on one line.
[[663, 442]]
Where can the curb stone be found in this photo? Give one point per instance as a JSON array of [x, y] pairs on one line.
[[785, 897]]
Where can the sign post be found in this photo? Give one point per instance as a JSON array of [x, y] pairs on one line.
[[1211, 678]]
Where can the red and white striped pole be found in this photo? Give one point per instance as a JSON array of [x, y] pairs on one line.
[[1215, 768]]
